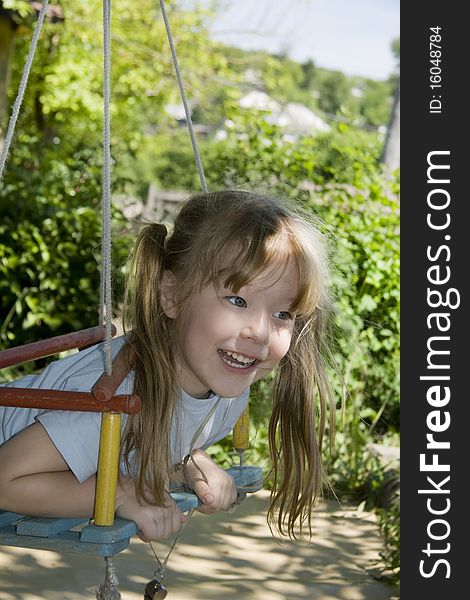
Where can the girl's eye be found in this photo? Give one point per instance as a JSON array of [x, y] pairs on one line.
[[237, 301], [283, 315]]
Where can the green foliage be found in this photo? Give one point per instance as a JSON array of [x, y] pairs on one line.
[[365, 226], [376, 103], [171, 163], [346, 155], [50, 231], [389, 523], [335, 90], [64, 95], [257, 153], [20, 8]]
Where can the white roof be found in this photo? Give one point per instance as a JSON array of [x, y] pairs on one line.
[[297, 118], [294, 117], [259, 101]]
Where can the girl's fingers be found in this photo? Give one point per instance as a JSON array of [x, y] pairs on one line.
[[203, 492], [160, 522]]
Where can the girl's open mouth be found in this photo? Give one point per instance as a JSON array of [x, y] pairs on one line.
[[236, 360]]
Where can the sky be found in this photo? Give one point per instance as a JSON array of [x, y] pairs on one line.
[[353, 36]]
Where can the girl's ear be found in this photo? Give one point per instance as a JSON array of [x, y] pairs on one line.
[[168, 294]]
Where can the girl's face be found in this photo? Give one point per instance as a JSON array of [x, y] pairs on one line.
[[230, 340]]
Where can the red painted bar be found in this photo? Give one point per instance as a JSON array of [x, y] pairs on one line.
[[60, 343], [63, 400], [106, 385]]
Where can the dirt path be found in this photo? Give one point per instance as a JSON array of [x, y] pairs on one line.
[[219, 557]]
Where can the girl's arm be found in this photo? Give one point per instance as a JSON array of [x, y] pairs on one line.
[[35, 480], [219, 492]]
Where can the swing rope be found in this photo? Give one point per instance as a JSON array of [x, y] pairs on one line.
[[109, 589], [106, 308], [21, 90], [184, 98]]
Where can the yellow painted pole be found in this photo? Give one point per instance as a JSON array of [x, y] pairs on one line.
[[241, 434], [108, 465]]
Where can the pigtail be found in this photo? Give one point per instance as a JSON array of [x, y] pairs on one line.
[[146, 267], [150, 338]]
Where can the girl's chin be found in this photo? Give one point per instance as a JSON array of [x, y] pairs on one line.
[[231, 390]]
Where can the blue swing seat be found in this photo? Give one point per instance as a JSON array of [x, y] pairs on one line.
[[77, 535]]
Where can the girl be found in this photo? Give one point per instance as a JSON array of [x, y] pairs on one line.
[[237, 290]]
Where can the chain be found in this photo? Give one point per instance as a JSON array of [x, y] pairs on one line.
[[160, 572]]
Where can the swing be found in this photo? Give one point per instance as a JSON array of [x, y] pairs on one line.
[[107, 535]]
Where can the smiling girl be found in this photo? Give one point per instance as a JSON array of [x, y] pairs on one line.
[[237, 291]]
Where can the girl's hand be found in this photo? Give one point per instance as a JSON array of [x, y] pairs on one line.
[[219, 493], [154, 522]]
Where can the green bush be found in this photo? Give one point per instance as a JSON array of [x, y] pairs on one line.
[[364, 226], [389, 524], [50, 231]]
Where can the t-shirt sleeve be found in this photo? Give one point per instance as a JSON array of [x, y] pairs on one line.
[[75, 434], [76, 437]]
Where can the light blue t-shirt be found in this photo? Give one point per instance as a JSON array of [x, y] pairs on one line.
[[76, 434]]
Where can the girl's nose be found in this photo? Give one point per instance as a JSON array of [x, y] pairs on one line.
[[256, 328]]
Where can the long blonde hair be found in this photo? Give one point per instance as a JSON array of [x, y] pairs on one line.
[[255, 229]]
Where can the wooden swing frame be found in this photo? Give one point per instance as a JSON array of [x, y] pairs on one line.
[[48, 533]]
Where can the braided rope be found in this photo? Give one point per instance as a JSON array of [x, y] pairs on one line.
[[21, 90], [183, 98], [106, 309], [109, 589]]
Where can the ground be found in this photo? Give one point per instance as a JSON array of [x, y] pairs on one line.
[[223, 556]]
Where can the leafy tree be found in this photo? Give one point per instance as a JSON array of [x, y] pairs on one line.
[[64, 102], [50, 244], [376, 102], [335, 91], [308, 70]]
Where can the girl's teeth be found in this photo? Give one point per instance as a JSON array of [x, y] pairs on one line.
[[240, 357], [242, 361]]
